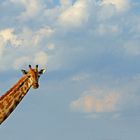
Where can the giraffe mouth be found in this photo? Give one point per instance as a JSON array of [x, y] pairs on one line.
[[35, 86]]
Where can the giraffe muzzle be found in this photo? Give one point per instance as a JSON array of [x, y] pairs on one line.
[[35, 86]]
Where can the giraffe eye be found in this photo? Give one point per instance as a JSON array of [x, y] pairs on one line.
[[24, 71]]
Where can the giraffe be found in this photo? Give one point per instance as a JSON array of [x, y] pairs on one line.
[[10, 100]]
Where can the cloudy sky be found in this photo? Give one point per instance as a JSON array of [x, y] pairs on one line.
[[91, 49]]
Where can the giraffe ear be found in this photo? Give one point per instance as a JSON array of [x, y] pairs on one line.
[[24, 71], [41, 71]]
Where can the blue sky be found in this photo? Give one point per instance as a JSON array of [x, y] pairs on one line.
[[91, 51]]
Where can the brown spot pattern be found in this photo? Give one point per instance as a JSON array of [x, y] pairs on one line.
[[12, 97]]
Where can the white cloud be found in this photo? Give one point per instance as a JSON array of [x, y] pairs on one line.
[[65, 2], [51, 46], [41, 58], [34, 38], [2, 48], [105, 12], [108, 98], [76, 15], [120, 5], [97, 101], [32, 8], [30, 42], [8, 36], [42, 33], [104, 29], [109, 8], [19, 62], [80, 77]]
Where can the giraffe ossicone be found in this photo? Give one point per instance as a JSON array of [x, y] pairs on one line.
[[15, 94]]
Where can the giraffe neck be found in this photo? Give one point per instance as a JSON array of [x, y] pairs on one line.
[[12, 97]]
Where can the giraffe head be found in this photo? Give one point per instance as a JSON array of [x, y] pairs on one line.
[[34, 74]]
